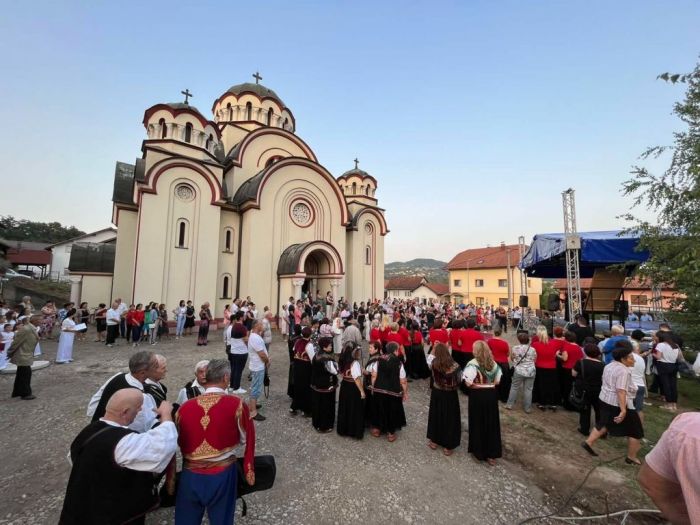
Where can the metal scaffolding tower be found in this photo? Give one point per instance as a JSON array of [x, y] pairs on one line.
[[525, 317], [573, 249]]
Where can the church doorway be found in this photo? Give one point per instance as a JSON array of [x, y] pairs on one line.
[[307, 268]]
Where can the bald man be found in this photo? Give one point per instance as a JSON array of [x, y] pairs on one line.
[[112, 479]]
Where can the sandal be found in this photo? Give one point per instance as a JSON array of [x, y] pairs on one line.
[[447, 452], [375, 432], [391, 438], [432, 445], [491, 462]]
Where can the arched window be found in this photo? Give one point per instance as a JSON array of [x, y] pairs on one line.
[[210, 139], [368, 254], [230, 111], [286, 123], [163, 128], [354, 188], [367, 190], [249, 111], [269, 117], [188, 132], [225, 287], [228, 240], [181, 234]]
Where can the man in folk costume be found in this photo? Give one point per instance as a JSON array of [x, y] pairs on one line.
[[195, 387], [153, 385], [112, 479], [141, 365], [211, 426]]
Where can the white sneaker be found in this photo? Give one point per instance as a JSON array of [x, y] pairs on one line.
[[240, 391]]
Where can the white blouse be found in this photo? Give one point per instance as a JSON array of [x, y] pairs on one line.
[[668, 353]]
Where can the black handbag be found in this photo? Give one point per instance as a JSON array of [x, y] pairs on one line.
[[577, 396], [265, 473]]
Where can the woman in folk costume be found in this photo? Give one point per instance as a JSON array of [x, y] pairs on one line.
[[375, 352], [304, 352], [415, 354], [444, 419], [351, 402], [481, 375], [294, 336], [389, 391], [324, 380]]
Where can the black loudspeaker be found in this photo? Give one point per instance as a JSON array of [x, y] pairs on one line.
[[621, 308], [523, 301], [553, 302]]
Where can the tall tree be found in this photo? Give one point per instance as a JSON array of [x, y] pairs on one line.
[[23, 230], [674, 196]]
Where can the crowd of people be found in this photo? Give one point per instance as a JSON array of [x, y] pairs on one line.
[[334, 382]]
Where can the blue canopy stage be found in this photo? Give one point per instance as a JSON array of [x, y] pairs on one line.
[[546, 257]]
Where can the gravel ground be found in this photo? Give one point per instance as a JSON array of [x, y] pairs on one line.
[[321, 478]]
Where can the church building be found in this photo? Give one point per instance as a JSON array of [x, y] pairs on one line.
[[239, 206]]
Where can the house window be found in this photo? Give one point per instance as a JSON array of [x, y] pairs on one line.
[[640, 300], [181, 233], [226, 287], [249, 111], [228, 240], [503, 283], [479, 283], [188, 132], [480, 301], [163, 128], [503, 301], [407, 293], [457, 283], [529, 283]]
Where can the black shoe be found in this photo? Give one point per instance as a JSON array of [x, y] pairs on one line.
[[542, 407], [259, 417], [292, 412], [588, 449], [553, 408], [28, 398]]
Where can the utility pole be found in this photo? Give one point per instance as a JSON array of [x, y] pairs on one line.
[[573, 250], [524, 319], [510, 284]]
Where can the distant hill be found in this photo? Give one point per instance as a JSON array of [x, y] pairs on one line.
[[431, 268]]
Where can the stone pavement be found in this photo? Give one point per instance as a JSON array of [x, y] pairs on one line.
[[321, 478]]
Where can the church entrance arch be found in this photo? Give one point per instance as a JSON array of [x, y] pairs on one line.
[[306, 267]]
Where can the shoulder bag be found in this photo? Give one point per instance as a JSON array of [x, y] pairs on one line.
[[577, 396]]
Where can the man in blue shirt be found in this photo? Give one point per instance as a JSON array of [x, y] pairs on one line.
[[618, 334]]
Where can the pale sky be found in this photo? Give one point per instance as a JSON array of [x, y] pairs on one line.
[[473, 116]]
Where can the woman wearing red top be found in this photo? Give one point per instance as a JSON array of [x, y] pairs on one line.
[[375, 334], [546, 380], [438, 334], [395, 337], [137, 318], [568, 356], [456, 343], [501, 354]]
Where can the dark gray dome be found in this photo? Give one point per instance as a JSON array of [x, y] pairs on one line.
[[355, 171], [258, 89], [182, 105]]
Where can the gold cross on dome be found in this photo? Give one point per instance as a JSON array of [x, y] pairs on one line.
[[257, 77]]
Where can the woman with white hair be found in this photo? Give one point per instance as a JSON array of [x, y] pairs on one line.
[[195, 387]]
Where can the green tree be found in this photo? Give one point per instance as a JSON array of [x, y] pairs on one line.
[[547, 290], [23, 230], [674, 196]]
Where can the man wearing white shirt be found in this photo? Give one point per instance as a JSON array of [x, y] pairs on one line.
[[258, 361], [140, 366], [122, 309], [112, 476], [113, 318], [194, 388]]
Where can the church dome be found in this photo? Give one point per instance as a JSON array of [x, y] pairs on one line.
[[355, 172], [357, 183], [258, 89]]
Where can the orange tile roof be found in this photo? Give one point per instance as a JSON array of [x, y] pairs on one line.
[[439, 288], [492, 257], [404, 283]]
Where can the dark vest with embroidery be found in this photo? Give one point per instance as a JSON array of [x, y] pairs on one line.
[[388, 375], [159, 392], [99, 490], [321, 379], [300, 350], [191, 391], [447, 381], [117, 383]]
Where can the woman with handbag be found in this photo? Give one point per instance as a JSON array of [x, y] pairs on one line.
[[617, 414], [523, 370], [588, 378]]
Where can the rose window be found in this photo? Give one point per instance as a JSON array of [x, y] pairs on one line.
[[184, 192], [301, 214]]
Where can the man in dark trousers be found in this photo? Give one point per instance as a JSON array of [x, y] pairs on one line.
[[21, 353], [112, 479]]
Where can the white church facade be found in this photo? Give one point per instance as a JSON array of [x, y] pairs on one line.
[[238, 206]]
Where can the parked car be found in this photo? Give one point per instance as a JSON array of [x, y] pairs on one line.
[[11, 274]]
